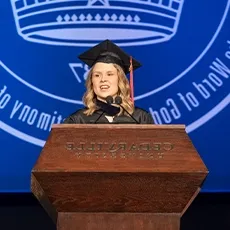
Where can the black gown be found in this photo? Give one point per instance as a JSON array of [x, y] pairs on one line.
[[99, 116]]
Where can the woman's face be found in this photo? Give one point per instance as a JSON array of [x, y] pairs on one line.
[[105, 80]]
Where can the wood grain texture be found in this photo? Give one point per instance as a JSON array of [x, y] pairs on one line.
[[127, 174], [39, 193], [182, 158], [119, 192], [114, 221]]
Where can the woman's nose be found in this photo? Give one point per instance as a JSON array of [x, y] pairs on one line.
[[103, 78]]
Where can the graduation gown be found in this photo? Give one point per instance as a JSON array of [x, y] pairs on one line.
[[100, 116]]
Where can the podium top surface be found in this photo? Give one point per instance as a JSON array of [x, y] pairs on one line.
[[120, 126]]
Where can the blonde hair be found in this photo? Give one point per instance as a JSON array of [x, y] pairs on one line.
[[89, 97]]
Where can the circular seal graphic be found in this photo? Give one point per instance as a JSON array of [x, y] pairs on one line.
[[184, 78]]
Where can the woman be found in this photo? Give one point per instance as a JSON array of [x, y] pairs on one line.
[[108, 95]]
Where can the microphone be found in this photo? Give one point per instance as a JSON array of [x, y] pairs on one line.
[[118, 101], [109, 100]]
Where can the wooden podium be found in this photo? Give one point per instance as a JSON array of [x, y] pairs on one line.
[[117, 177]]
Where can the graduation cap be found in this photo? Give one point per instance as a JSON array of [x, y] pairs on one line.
[[108, 52]]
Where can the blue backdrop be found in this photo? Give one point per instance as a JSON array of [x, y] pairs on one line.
[[184, 47]]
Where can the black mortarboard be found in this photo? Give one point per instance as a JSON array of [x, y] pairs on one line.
[[108, 52]]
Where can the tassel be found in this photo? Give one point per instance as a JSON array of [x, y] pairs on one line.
[[131, 80]]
